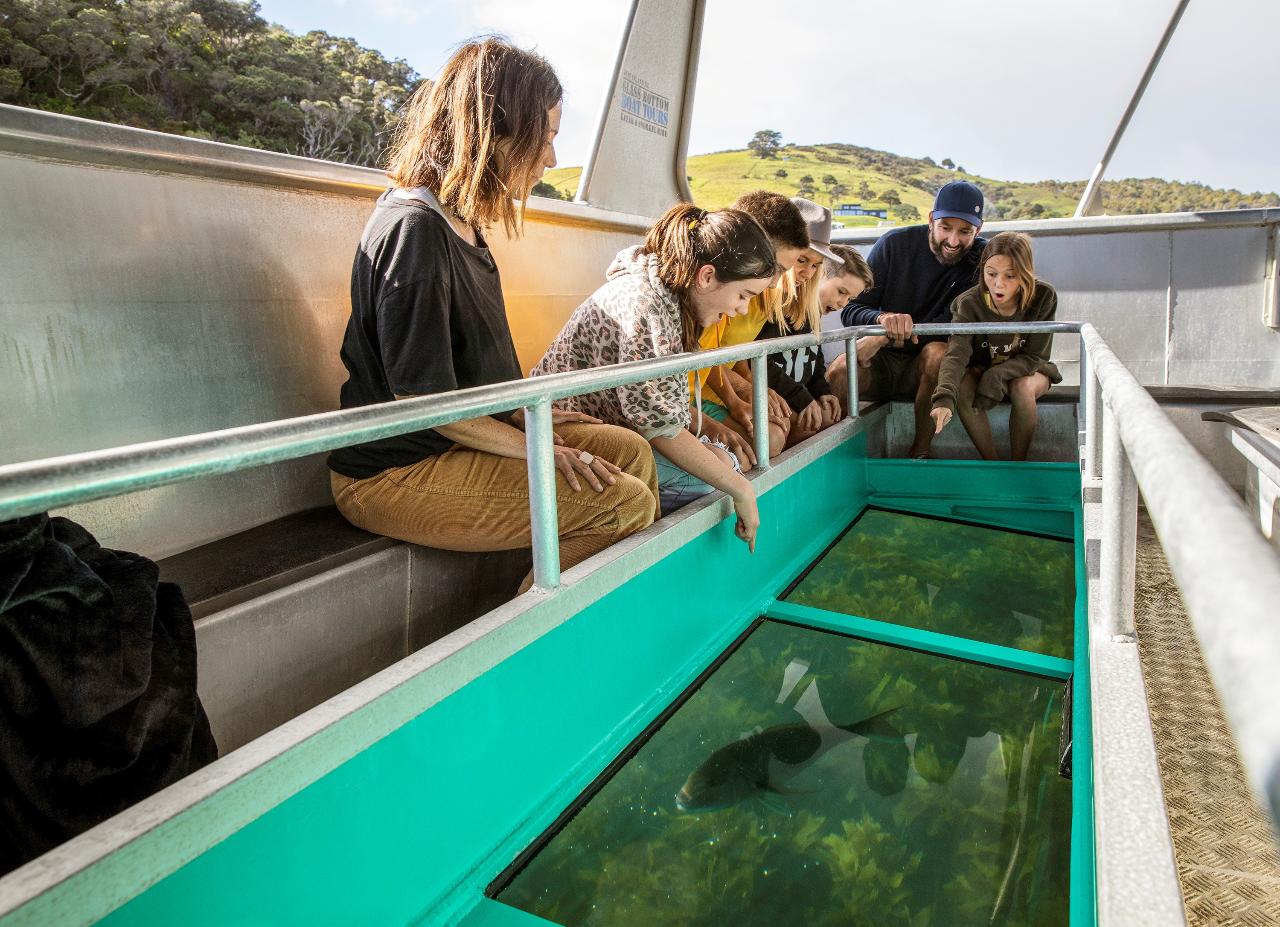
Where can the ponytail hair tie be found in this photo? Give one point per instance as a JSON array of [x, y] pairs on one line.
[[693, 223]]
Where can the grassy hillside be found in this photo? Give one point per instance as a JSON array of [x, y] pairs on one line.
[[905, 186]]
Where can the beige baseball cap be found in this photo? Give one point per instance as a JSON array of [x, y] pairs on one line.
[[818, 219]]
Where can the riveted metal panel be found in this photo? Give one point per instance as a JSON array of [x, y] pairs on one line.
[[1218, 335], [1120, 283]]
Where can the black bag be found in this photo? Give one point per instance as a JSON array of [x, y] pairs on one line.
[[98, 703]]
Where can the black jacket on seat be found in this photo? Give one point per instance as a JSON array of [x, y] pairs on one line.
[[98, 703]]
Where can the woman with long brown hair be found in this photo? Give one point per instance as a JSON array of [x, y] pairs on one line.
[[427, 316], [694, 268]]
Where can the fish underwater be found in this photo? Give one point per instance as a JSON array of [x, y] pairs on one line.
[[766, 761]]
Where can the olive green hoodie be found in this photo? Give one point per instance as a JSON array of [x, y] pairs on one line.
[[1002, 357]]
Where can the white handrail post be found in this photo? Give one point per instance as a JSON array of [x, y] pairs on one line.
[[760, 408], [1119, 535], [851, 374], [544, 522], [1091, 408]]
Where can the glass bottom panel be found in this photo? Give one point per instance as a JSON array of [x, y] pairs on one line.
[[986, 584], [814, 779]]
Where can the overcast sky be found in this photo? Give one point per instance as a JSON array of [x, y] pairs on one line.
[[1010, 89]]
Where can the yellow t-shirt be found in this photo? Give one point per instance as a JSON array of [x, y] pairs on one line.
[[736, 330]]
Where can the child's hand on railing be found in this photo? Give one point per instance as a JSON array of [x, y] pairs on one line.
[[778, 407], [941, 416]]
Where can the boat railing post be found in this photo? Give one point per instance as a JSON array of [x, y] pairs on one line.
[[1119, 535], [851, 374], [760, 408], [544, 522], [1091, 409]]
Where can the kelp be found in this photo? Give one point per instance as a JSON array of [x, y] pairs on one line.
[[959, 819], [986, 584]]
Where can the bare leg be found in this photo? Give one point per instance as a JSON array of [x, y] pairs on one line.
[[839, 383], [777, 435], [1023, 393], [975, 421], [927, 366]]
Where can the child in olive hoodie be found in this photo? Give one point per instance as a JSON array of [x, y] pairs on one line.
[[980, 371]]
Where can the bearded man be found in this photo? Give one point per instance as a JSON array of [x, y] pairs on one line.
[[918, 271]]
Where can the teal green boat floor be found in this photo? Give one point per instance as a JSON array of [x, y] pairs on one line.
[[988, 584], [816, 779]]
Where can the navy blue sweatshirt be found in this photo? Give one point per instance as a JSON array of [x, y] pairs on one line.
[[909, 278]]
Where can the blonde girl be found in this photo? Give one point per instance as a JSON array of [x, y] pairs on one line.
[[800, 376], [979, 371]]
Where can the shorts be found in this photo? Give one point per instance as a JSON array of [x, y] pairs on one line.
[[678, 488], [893, 375]]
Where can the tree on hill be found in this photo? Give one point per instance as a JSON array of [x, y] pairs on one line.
[[542, 188], [829, 180], [765, 143], [948, 164], [837, 191], [891, 198], [807, 190], [865, 192], [807, 179], [960, 170], [780, 174], [904, 212]]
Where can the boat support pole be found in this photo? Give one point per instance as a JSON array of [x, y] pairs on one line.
[[1090, 199], [544, 521]]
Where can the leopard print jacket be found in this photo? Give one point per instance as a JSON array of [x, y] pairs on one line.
[[634, 316]]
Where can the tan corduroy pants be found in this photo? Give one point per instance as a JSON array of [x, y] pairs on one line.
[[470, 500]]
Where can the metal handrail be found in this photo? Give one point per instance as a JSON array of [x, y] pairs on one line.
[[40, 485], [1228, 576]]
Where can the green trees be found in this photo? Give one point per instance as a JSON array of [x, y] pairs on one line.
[[544, 189], [208, 68], [765, 143]]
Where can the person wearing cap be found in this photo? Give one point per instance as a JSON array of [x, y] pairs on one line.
[[794, 296], [721, 407], [918, 271]]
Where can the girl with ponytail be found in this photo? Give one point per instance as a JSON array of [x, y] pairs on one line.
[[694, 269]]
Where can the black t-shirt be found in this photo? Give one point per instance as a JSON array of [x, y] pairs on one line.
[[427, 316]]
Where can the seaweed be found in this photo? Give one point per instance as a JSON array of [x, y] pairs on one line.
[[955, 817]]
